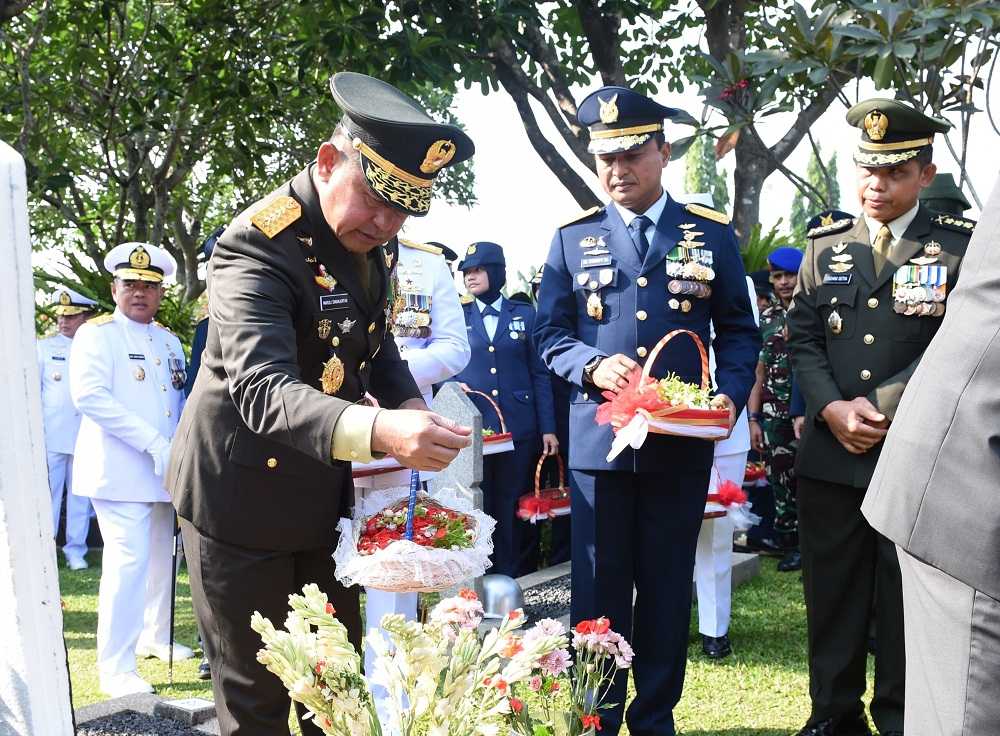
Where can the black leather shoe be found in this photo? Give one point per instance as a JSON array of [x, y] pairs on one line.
[[790, 562], [204, 671], [856, 725], [764, 546], [716, 647]]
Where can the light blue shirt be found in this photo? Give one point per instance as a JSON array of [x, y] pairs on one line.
[[490, 321], [653, 213]]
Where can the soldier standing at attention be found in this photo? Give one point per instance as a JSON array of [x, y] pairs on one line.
[[771, 431], [617, 279], [62, 422], [871, 296], [297, 336], [127, 379]]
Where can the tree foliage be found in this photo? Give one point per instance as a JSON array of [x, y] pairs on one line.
[[823, 179], [701, 173]]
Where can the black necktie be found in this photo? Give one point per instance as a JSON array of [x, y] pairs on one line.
[[489, 311], [638, 232]]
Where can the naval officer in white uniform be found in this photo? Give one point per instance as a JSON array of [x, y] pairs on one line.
[[127, 379], [62, 421], [429, 327]]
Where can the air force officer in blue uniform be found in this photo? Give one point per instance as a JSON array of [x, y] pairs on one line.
[[617, 279], [506, 366]]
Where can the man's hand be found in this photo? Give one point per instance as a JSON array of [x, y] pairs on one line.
[[721, 401], [797, 424], [159, 450], [856, 424], [550, 444], [417, 404], [756, 436], [612, 373], [421, 440]]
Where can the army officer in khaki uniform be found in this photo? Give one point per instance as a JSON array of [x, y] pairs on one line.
[[297, 336], [871, 295]]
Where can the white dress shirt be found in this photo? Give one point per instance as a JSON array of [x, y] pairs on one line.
[[445, 352], [59, 415], [897, 227], [490, 321], [121, 382], [653, 213]]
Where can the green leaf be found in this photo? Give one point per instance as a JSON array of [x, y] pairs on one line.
[[859, 33], [885, 69], [679, 147]]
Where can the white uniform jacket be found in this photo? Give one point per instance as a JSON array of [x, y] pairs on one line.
[[127, 380], [60, 416], [424, 277]]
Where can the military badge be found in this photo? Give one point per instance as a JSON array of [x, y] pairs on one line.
[[333, 375], [686, 306], [346, 325], [139, 373], [388, 258], [581, 278], [605, 276], [57, 376], [139, 258], [674, 304], [840, 247], [835, 322], [324, 328], [306, 240], [588, 242], [920, 289], [932, 248], [842, 258], [609, 109], [324, 279], [595, 309], [64, 299], [841, 267], [471, 251], [876, 125], [178, 376], [438, 156]]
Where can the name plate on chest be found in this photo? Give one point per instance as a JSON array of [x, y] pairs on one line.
[[837, 278], [328, 302]]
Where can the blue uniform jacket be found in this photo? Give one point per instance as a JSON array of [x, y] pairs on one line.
[[509, 369], [636, 314]]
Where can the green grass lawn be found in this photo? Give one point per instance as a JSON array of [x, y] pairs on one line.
[[762, 690]]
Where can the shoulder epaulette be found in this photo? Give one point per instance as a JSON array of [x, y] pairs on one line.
[[163, 327], [276, 215], [954, 222], [581, 216], [466, 298], [834, 227], [708, 213], [425, 247], [101, 319]]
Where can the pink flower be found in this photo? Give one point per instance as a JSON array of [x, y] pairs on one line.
[[460, 611], [555, 663], [516, 705], [535, 683]]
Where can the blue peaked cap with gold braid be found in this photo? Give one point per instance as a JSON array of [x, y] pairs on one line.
[[620, 119]]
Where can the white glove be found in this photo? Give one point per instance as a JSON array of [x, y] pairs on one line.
[[160, 452]]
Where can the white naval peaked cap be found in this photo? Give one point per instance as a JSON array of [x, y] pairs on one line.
[[68, 302], [140, 262]]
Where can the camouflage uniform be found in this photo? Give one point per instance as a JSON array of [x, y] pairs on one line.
[[779, 437]]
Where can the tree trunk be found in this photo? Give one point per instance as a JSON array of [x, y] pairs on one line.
[[752, 168]]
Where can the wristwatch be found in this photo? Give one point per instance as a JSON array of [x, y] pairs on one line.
[[756, 416], [588, 370]]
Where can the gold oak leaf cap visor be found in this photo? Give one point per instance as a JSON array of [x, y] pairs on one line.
[[139, 262], [892, 132], [67, 302], [620, 119], [402, 148]]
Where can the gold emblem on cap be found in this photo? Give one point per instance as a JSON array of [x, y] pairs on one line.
[[609, 109], [438, 156], [138, 258], [826, 219], [64, 299], [333, 375], [471, 251], [876, 124]]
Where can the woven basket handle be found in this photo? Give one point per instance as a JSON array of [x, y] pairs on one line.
[[538, 473], [496, 407], [667, 338]]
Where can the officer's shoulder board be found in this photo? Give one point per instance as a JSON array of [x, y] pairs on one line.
[[276, 215], [101, 319], [425, 247], [163, 327], [953, 222], [581, 216], [466, 298], [837, 226], [708, 213]]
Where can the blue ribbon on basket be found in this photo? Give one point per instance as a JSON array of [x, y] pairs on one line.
[[414, 487]]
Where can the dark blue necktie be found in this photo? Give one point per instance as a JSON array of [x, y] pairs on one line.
[[490, 311], [638, 232]]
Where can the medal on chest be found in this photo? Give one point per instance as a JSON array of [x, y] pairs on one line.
[[333, 375]]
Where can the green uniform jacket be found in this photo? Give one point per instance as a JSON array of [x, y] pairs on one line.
[[251, 463], [876, 350]]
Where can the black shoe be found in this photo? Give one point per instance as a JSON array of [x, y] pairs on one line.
[[764, 546], [856, 725], [204, 671], [790, 562], [716, 647]]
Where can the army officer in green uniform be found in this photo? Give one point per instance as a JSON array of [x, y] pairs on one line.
[[871, 295], [261, 466]]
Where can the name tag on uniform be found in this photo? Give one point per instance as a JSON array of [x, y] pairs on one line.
[[136, 356], [595, 261], [329, 302], [837, 278], [58, 357]]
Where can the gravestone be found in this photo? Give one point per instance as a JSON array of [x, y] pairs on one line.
[[34, 680], [466, 470]]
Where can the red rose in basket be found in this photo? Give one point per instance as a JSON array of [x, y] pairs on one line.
[[433, 526], [665, 406]]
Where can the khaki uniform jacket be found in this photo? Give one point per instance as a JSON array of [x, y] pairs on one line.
[[875, 350], [251, 463], [934, 492]]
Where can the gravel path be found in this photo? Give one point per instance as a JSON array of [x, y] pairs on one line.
[[548, 600], [130, 723]]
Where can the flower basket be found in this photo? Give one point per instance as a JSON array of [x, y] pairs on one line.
[[403, 559], [545, 503], [639, 408], [728, 499], [755, 475], [494, 444]]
